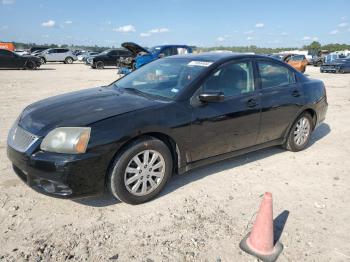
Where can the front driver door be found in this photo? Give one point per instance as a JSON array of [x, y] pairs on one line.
[[229, 125]]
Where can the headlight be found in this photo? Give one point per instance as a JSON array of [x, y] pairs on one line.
[[69, 140]]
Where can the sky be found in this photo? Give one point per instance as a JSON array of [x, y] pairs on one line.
[[275, 23]]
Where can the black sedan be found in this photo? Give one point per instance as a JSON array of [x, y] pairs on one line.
[[341, 66], [11, 60], [108, 57], [171, 115]]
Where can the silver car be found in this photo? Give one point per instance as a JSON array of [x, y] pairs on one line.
[[58, 55]]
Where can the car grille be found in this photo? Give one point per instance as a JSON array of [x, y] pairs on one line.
[[20, 139]]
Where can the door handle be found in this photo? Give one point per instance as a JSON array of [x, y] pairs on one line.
[[251, 103], [295, 93]]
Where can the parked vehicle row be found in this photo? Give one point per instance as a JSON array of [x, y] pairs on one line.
[[108, 57]]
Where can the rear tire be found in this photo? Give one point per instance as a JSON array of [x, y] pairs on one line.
[[30, 65], [300, 133], [151, 172], [42, 60]]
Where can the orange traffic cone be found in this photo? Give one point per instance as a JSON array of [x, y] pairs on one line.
[[259, 242]]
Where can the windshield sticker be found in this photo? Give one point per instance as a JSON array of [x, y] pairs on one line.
[[200, 63], [174, 90]]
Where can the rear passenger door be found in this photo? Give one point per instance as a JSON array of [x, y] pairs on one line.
[[51, 55], [281, 99]]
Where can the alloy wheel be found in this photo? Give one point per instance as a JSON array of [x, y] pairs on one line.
[[302, 131], [144, 172]]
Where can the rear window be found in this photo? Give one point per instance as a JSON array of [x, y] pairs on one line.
[[274, 75]]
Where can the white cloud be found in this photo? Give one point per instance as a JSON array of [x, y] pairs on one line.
[[145, 34], [249, 32], [68, 22], [249, 38], [343, 24], [7, 2], [49, 23], [221, 39], [158, 30], [155, 31], [306, 38], [334, 32], [284, 33], [315, 38], [125, 29], [259, 25]]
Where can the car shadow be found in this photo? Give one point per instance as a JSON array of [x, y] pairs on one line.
[[178, 181]]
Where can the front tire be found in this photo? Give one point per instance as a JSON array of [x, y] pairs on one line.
[[300, 133], [68, 60], [99, 65], [42, 60], [141, 171], [30, 65]]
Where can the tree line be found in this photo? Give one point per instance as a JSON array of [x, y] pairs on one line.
[[314, 48]]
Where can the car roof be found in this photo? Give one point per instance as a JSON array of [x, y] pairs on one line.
[[216, 57]]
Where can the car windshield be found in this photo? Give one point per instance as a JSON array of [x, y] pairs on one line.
[[163, 78]]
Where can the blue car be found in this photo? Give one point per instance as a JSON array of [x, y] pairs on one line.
[[143, 56]]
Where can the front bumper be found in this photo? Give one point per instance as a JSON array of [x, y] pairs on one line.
[[61, 175]]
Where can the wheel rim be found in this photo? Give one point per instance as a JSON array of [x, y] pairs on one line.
[[302, 131], [99, 65], [69, 60], [144, 172]]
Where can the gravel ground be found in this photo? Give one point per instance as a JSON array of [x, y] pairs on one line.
[[203, 214]]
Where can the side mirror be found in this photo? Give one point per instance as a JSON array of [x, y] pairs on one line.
[[211, 97]]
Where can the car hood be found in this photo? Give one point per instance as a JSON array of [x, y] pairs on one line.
[[134, 48], [80, 108]]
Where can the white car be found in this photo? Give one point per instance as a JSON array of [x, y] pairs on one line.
[[21, 52], [58, 55]]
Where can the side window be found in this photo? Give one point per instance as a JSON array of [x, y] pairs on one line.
[[233, 79], [182, 50], [273, 75], [169, 51]]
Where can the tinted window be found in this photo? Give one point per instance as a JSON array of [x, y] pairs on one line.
[[62, 50], [232, 79], [114, 52], [5, 53], [273, 75]]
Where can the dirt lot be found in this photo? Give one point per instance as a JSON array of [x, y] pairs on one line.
[[202, 215]]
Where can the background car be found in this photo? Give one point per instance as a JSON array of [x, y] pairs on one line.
[[21, 52], [58, 55], [9, 59], [336, 66], [171, 115], [38, 48], [108, 57], [84, 56], [299, 62], [143, 56]]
